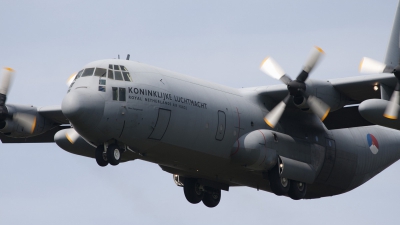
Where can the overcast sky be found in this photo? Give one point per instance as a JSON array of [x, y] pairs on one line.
[[219, 41]]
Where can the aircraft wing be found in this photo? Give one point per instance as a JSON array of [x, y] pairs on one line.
[[360, 88], [356, 89], [52, 113]]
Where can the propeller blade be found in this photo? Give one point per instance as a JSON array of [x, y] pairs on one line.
[[72, 135], [368, 65], [71, 79], [392, 110], [27, 121], [313, 59], [319, 108], [272, 68], [6, 80], [272, 118]]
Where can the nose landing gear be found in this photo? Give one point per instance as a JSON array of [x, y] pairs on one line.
[[105, 155]]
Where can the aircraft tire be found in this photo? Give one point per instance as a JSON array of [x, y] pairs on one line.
[[297, 190], [212, 198], [113, 155], [192, 191], [279, 186], [101, 159]]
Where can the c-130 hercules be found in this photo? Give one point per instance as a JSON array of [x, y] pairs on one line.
[[213, 137]]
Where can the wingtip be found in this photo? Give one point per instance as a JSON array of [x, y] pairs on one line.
[[390, 117], [33, 125], [69, 138], [320, 49], [269, 124], [326, 114], [360, 65], [264, 60]]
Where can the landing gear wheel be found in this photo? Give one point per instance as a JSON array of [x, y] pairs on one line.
[[297, 190], [192, 191], [279, 186], [101, 157], [211, 198], [113, 155]]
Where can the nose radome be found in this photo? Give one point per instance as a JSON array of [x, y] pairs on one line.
[[83, 108]]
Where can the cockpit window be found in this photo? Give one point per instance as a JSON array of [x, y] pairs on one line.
[[88, 72], [100, 72], [118, 75], [110, 74], [127, 76], [78, 75]]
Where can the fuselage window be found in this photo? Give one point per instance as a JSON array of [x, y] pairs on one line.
[[122, 94], [102, 82], [127, 76], [88, 72], [119, 72], [118, 75], [78, 75], [115, 93], [100, 72], [110, 74], [102, 88]]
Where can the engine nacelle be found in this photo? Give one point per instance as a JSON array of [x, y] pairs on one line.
[[72, 142], [12, 126], [373, 109], [253, 151], [296, 170]]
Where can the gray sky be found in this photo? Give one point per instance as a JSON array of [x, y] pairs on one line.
[[219, 41]]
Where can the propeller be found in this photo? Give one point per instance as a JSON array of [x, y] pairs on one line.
[[296, 88], [368, 65], [26, 121], [71, 79], [72, 135]]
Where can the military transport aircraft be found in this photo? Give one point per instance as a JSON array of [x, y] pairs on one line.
[[212, 137]]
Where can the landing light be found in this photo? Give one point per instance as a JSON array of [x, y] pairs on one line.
[[376, 87]]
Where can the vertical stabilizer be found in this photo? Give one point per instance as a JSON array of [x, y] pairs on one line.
[[393, 51]]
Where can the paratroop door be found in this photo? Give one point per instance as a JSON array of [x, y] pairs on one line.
[[221, 126], [329, 161], [161, 126]]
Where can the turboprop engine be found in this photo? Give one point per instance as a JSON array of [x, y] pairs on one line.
[[71, 141], [24, 121], [373, 110], [261, 150]]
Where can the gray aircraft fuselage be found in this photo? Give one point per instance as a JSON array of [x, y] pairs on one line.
[[190, 127]]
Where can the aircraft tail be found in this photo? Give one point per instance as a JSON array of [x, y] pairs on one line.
[[393, 50]]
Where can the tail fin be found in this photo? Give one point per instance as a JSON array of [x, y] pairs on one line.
[[393, 51]]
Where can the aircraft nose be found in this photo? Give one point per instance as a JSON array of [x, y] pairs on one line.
[[83, 108]]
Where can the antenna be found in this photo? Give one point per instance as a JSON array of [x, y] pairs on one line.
[[127, 57], [118, 56]]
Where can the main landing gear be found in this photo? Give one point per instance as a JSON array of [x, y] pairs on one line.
[[195, 193], [110, 155], [283, 186]]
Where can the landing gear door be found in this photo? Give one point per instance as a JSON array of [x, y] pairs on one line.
[[162, 123], [221, 126]]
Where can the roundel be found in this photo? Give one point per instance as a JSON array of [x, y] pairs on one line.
[[373, 143]]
